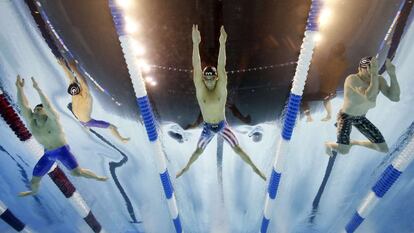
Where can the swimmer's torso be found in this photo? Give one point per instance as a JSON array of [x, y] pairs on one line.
[[50, 135], [354, 103], [82, 106], [212, 103]]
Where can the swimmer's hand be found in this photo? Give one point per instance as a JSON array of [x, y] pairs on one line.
[[196, 35], [35, 85], [223, 35], [26, 193], [374, 67], [102, 178], [19, 82], [390, 67], [61, 62]]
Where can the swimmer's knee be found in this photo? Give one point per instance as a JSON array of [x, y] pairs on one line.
[[199, 151], [237, 149], [75, 172], [343, 149], [383, 147]]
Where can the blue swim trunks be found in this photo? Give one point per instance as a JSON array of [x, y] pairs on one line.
[[96, 124], [222, 128], [62, 154]]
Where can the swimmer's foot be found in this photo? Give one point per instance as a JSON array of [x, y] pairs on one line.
[[328, 149], [309, 119], [125, 140], [181, 172], [26, 193], [262, 175], [327, 118], [102, 178]]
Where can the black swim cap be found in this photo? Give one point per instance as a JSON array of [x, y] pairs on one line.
[[365, 62], [210, 71], [74, 89]]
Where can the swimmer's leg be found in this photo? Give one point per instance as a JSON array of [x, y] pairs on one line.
[[41, 168], [369, 130], [306, 110], [328, 107], [34, 186], [230, 138], [105, 125], [340, 148], [247, 160], [115, 132], [381, 147], [87, 174], [192, 159], [204, 140], [343, 131]]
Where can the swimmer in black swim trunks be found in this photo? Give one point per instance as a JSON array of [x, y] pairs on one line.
[[360, 95]]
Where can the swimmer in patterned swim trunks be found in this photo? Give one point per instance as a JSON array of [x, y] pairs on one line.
[[361, 91], [211, 91], [82, 100], [44, 124]]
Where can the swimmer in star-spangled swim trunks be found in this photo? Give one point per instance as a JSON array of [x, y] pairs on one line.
[[44, 124], [82, 100], [360, 95], [211, 91]]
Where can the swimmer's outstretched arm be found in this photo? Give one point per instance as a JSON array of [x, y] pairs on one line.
[[392, 92], [196, 37], [81, 79], [51, 112], [372, 90], [22, 100], [68, 73], [221, 63]]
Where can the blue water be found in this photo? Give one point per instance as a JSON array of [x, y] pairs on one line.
[[133, 201]]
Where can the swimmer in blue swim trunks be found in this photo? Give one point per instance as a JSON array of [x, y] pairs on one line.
[[82, 100], [44, 125], [211, 91]]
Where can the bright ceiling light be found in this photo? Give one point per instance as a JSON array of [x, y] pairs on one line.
[[149, 79], [144, 65], [318, 37], [138, 48], [325, 17], [153, 83], [131, 25], [125, 4]]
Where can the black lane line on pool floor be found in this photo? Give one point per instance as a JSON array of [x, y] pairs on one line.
[[25, 179], [112, 167]]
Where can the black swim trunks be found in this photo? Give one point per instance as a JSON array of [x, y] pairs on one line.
[[344, 126]]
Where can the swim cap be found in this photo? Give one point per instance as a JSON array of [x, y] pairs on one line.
[[74, 89], [365, 62], [210, 71]]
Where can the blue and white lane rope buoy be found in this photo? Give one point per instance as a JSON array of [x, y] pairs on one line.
[[55, 173], [306, 52], [383, 184], [146, 112], [7, 216]]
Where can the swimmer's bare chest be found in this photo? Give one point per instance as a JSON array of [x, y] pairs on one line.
[[355, 103], [50, 135], [212, 105], [82, 106]]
